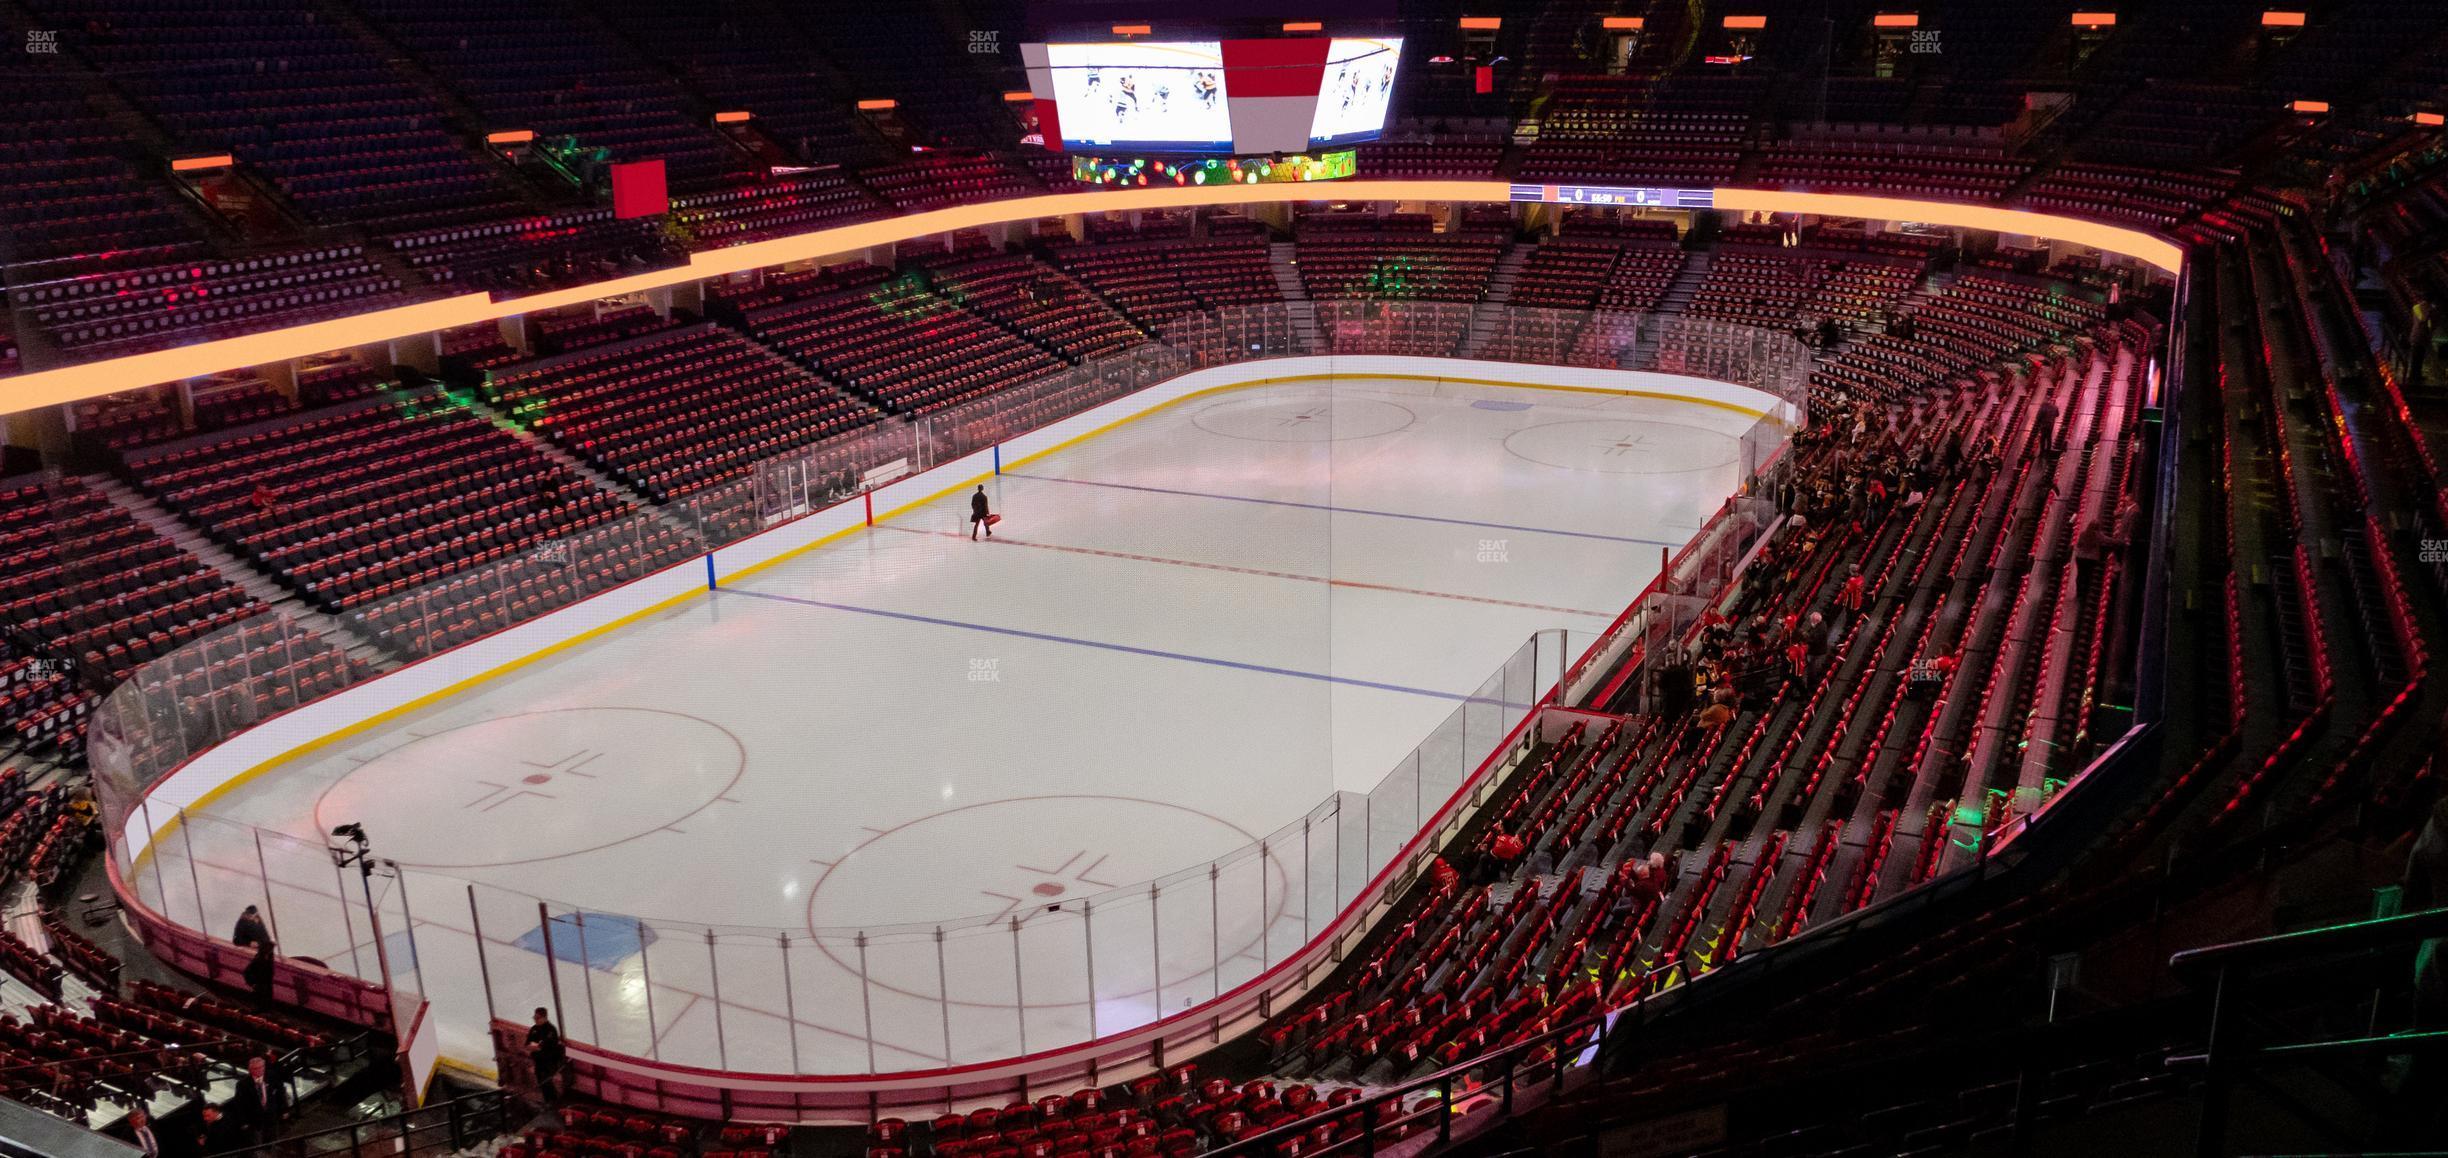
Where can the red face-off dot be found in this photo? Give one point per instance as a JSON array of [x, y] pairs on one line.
[[1048, 889]]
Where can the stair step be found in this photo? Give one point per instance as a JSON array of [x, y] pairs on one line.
[[244, 576]]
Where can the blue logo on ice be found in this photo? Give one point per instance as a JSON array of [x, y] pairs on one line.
[[1493, 404], [607, 939]]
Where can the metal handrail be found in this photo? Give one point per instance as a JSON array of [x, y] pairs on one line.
[[2381, 933], [468, 1120]]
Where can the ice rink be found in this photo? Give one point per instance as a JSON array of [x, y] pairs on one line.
[[1189, 631]]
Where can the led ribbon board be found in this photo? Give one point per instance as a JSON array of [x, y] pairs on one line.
[[1636, 196], [1135, 171]]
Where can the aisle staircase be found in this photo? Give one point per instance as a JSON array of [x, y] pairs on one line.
[[1486, 315], [1283, 257], [247, 578], [1686, 285]]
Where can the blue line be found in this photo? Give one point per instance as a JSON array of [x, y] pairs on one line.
[[710, 573], [1351, 510], [913, 617]]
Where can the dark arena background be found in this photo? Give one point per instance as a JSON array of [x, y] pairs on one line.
[[1628, 578]]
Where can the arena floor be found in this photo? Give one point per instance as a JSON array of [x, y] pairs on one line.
[[1190, 631]]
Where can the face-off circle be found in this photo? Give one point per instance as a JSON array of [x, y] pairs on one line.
[[1309, 418], [1624, 446], [897, 876], [538, 785]]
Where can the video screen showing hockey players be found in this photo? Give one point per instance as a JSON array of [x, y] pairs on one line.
[[1359, 87], [1152, 96]]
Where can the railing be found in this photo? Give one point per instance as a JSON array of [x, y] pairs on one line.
[[438, 1128], [991, 987], [2346, 961]]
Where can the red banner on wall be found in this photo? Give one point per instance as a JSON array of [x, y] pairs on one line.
[[638, 189]]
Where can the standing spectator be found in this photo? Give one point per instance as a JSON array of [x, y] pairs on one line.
[[2047, 423], [2090, 546], [261, 1106], [544, 1048], [250, 931], [259, 974], [140, 1133], [1674, 687], [208, 1134], [1816, 636], [1855, 591]]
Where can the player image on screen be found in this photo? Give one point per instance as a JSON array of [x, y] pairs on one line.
[[1358, 89], [1163, 95]]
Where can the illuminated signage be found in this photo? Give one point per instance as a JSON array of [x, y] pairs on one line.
[[1642, 198]]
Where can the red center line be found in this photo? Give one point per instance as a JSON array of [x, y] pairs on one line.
[[1353, 583]]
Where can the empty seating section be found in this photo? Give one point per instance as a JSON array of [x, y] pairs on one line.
[[1447, 157], [1396, 257], [1896, 169], [298, 99], [1689, 131], [69, 191], [938, 179], [897, 343], [370, 499], [773, 208], [1156, 281], [1866, 100], [1037, 300], [752, 58], [675, 412], [595, 325], [2154, 197], [946, 92], [1789, 286], [123, 421], [1567, 272], [1975, 320], [2171, 123], [90, 594], [128, 311], [523, 253], [527, 64], [1175, 1114], [1859, 289]]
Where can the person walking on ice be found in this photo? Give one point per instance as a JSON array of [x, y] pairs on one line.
[[979, 517]]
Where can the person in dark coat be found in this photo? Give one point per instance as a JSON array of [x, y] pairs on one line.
[[250, 931], [259, 973], [978, 513], [545, 1051], [210, 1133], [141, 1135], [260, 1108]]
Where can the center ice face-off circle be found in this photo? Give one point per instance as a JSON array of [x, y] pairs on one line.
[[1311, 418], [538, 785]]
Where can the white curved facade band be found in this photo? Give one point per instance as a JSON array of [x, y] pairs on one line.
[[94, 379]]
